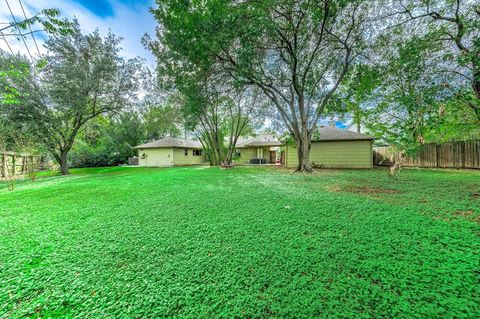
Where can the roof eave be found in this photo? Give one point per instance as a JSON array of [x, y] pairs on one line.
[[344, 139], [263, 145], [168, 146], [189, 147], [140, 146]]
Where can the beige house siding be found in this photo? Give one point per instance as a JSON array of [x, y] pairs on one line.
[[156, 157], [180, 159], [335, 154], [248, 153], [168, 157]]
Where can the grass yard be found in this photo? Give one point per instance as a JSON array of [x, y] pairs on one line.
[[248, 242]]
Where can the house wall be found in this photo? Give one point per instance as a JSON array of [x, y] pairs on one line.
[[335, 154], [168, 157], [248, 153], [156, 157], [180, 159]]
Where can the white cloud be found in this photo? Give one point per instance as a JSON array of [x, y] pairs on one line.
[[130, 22]]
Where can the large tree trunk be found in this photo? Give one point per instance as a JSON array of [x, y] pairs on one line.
[[63, 163], [303, 149], [476, 90]]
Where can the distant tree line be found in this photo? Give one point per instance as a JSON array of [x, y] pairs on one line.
[[408, 71]]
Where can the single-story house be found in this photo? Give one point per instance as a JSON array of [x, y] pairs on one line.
[[169, 152], [336, 148], [257, 150]]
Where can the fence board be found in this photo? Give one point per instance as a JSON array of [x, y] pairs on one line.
[[462, 154], [13, 164]]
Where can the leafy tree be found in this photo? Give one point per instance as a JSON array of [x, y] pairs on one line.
[[83, 78], [162, 121], [49, 19], [128, 130], [108, 141], [160, 109], [453, 121], [219, 112], [296, 52], [16, 67], [205, 120], [12, 68], [455, 24], [15, 136], [358, 91], [245, 109], [407, 99]]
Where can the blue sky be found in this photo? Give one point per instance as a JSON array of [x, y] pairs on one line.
[[129, 19], [105, 8]]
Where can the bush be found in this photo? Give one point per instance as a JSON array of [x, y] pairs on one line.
[[103, 154]]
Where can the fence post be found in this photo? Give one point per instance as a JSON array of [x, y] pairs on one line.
[[437, 156], [23, 164], [14, 164], [4, 165], [462, 154]]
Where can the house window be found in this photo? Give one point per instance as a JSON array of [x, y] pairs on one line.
[[186, 152], [197, 152]]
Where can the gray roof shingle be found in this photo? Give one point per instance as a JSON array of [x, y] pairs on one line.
[[336, 134], [259, 141], [172, 142]]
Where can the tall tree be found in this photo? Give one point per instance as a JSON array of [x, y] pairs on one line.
[[83, 77], [407, 97], [160, 109], [162, 121], [219, 114], [456, 25], [296, 51]]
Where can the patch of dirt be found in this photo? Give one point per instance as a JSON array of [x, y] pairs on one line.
[[469, 215], [316, 172], [464, 213], [475, 195], [443, 218], [334, 188], [370, 190]]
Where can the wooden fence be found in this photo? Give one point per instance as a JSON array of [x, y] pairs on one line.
[[16, 164], [465, 154]]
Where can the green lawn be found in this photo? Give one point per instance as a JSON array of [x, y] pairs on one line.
[[248, 242]]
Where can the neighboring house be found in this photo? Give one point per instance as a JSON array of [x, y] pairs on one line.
[[257, 150], [169, 152], [336, 148]]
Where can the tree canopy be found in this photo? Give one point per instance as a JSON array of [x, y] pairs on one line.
[[83, 77], [296, 52]]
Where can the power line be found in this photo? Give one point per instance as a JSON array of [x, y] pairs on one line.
[[29, 27], [6, 42], [20, 32]]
